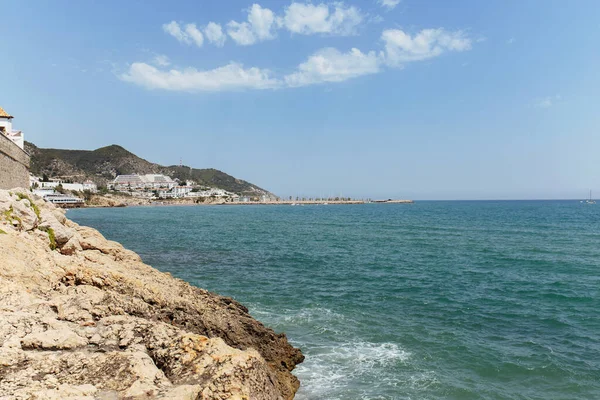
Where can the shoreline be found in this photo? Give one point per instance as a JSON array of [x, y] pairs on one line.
[[84, 316]]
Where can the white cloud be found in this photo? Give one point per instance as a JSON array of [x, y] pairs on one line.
[[241, 33], [331, 65], [389, 4], [173, 29], [194, 34], [402, 48], [232, 76], [262, 21], [326, 65], [260, 26], [547, 102], [189, 35], [161, 60], [309, 19], [511, 40], [214, 34]]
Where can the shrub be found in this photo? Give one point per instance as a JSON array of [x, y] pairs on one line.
[[51, 236]]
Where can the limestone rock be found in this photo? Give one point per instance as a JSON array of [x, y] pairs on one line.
[[91, 321], [24, 212], [62, 234], [53, 340]]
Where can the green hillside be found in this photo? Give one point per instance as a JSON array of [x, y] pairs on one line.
[[104, 164]]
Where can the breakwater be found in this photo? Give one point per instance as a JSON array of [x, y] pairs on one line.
[[318, 202]]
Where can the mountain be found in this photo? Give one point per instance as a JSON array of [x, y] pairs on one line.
[[104, 164]]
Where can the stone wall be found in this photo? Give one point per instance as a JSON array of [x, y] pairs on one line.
[[14, 165]]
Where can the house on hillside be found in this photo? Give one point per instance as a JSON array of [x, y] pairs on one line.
[[7, 130]]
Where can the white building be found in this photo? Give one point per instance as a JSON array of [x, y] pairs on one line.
[[176, 192], [7, 130], [91, 186], [212, 192], [158, 181], [148, 181], [77, 187]]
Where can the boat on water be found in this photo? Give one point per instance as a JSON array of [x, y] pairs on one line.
[[590, 201]]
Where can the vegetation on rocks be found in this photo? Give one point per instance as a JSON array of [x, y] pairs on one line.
[[11, 218], [51, 236], [34, 207]]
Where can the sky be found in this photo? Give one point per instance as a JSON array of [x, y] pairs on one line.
[[419, 99]]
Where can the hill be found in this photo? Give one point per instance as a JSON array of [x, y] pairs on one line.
[[104, 164]]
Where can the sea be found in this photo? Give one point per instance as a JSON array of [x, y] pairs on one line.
[[431, 300]]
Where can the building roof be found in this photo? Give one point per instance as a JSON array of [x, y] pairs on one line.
[[4, 114]]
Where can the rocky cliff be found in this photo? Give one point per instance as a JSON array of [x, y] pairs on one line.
[[83, 318]]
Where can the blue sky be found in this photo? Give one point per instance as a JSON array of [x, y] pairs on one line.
[[423, 99]]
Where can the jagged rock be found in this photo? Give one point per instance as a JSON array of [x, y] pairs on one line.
[[91, 321], [71, 247]]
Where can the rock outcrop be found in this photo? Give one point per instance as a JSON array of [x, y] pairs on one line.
[[81, 317]]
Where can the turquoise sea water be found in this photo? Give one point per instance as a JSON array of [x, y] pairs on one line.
[[435, 300]]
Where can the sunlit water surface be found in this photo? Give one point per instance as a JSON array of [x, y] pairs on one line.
[[434, 300]]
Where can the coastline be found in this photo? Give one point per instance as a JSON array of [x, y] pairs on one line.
[[125, 201], [83, 316]]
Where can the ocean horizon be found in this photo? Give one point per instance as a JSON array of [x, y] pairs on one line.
[[440, 299]]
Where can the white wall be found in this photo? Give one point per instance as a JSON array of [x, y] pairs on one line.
[[7, 124], [68, 186]]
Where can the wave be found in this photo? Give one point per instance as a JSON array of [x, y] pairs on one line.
[[334, 372]]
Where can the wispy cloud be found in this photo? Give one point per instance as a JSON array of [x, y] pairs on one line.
[[331, 65], [402, 48], [511, 40], [326, 65], [260, 26], [173, 29], [214, 34], [161, 60], [547, 102], [389, 4], [188, 35], [229, 77], [309, 19], [263, 24]]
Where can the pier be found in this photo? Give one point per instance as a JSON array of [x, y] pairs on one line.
[[318, 202]]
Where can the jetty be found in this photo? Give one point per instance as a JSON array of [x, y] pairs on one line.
[[317, 202]]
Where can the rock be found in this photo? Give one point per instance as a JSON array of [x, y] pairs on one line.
[[62, 234], [91, 321], [79, 392], [25, 213], [71, 247], [53, 340]]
